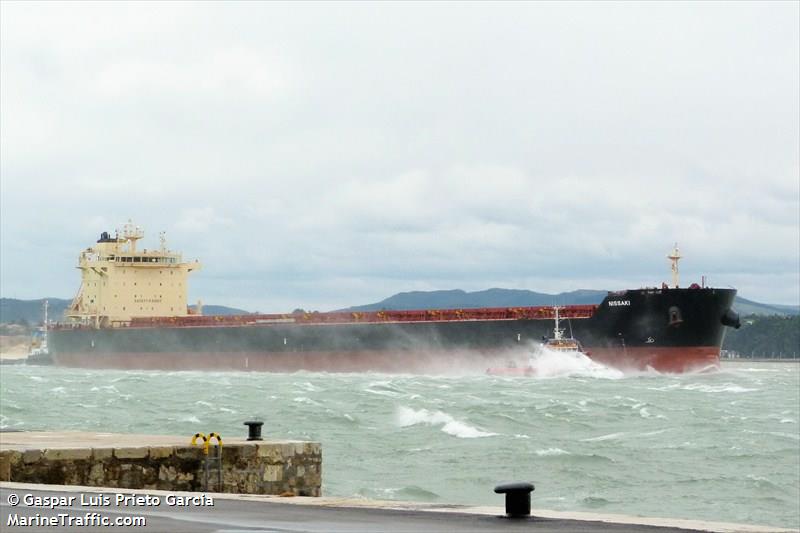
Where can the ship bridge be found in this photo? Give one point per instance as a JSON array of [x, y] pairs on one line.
[[119, 282]]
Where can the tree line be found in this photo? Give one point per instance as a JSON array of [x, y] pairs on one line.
[[765, 336]]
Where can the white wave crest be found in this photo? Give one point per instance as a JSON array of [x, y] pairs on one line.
[[610, 436], [551, 451], [305, 400], [409, 417], [307, 386], [727, 387]]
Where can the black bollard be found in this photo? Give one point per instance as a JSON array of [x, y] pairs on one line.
[[254, 430], [518, 498]]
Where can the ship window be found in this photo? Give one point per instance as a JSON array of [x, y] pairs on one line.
[[137, 259]]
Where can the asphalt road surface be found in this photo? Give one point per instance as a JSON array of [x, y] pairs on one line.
[[26, 509]]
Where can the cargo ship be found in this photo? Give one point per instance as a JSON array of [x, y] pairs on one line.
[[131, 313]]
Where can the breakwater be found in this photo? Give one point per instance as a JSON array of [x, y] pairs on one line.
[[160, 462]]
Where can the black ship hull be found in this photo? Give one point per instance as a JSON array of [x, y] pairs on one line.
[[668, 330]]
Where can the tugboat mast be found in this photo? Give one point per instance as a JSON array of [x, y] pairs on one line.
[[674, 257], [45, 322], [557, 332]]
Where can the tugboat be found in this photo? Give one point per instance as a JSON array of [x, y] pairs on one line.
[[39, 353], [558, 343]]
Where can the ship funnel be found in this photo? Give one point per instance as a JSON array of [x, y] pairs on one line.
[[731, 319]]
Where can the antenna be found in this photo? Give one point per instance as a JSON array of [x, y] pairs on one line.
[[674, 257]]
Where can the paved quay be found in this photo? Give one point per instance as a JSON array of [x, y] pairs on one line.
[[240, 513]]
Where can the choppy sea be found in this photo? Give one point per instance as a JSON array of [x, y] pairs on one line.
[[721, 446]]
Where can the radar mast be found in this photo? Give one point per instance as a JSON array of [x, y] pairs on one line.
[[674, 257], [131, 234]]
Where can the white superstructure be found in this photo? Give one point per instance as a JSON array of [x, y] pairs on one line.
[[120, 282]]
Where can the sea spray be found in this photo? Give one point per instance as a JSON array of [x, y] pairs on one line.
[[554, 364]]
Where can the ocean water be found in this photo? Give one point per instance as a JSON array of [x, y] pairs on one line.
[[720, 446]]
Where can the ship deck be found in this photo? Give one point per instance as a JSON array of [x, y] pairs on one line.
[[366, 317]]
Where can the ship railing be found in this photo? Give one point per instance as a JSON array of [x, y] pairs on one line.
[[344, 317]]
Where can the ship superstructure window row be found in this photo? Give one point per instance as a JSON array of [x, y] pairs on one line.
[[143, 259]]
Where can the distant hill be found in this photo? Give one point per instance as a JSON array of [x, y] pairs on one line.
[[458, 299], [31, 311], [749, 307], [214, 310], [765, 336]]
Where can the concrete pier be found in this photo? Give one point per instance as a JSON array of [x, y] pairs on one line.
[[23, 507], [160, 462]]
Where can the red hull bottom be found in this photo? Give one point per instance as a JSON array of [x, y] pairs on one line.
[[661, 359]]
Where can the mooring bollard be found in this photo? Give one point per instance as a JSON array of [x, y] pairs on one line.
[[518, 498], [254, 430]]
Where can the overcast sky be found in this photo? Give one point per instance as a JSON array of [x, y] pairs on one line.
[[326, 155]]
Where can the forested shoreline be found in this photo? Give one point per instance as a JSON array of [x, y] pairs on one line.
[[765, 336]]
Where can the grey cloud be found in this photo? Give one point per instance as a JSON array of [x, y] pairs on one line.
[[321, 155]]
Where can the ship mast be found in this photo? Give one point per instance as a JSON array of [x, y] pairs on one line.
[[674, 257], [45, 324], [557, 332], [131, 234]]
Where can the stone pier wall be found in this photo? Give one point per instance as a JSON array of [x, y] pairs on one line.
[[265, 467]]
